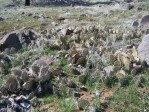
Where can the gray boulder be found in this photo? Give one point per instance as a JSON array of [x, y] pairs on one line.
[[17, 39], [143, 49], [145, 21]]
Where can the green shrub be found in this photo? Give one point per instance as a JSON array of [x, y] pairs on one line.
[[110, 81], [66, 106], [125, 81]]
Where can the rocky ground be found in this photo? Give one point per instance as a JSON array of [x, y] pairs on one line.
[[74, 58]]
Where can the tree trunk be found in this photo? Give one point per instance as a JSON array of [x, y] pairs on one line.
[[27, 2]]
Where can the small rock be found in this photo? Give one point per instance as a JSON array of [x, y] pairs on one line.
[[83, 15], [83, 104], [36, 16], [30, 96], [12, 50], [76, 94], [28, 85], [71, 84], [61, 18], [75, 71], [95, 109], [40, 63], [12, 84], [130, 6], [66, 31], [137, 69], [128, 1], [22, 13], [77, 30], [135, 24], [139, 8], [127, 6], [7, 51], [23, 102], [35, 102], [97, 93], [83, 88], [29, 14], [109, 70], [83, 79], [2, 19], [81, 61]]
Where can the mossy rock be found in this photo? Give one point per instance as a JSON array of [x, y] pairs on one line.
[[12, 84], [71, 84], [133, 71], [83, 104], [81, 61], [57, 71], [83, 79], [117, 63], [112, 59], [75, 71]]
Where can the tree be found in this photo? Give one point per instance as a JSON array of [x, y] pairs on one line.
[[27, 2]]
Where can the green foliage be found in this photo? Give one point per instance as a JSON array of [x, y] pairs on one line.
[[1, 81], [6, 69], [63, 61], [47, 51], [22, 50], [142, 79], [90, 81], [48, 99], [128, 100], [66, 106], [64, 90], [16, 62]]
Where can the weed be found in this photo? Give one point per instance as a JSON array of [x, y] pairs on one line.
[[66, 106], [63, 61], [16, 62], [1, 81], [22, 50], [47, 51], [48, 99], [128, 99]]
